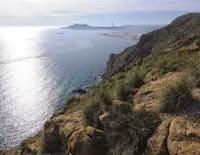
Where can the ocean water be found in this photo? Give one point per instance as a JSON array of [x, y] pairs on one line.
[[39, 68]]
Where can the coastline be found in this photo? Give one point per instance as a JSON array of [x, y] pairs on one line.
[[127, 36], [135, 110]]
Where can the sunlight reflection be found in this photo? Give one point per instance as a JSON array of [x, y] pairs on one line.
[[21, 40], [23, 90]]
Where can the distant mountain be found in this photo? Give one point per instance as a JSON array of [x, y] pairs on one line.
[[87, 27], [79, 26]]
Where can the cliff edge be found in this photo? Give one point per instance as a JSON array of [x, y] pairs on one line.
[[182, 31]]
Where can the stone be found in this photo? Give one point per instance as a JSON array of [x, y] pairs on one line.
[[157, 144], [89, 141], [149, 95], [175, 136]]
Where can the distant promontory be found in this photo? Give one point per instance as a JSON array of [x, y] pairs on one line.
[[88, 27]]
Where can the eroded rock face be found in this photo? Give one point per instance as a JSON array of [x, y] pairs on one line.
[[89, 141], [58, 131], [65, 134], [80, 143], [98, 138], [148, 96], [176, 136], [32, 146], [157, 144], [184, 137]]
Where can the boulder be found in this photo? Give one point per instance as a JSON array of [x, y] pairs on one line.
[[176, 136], [80, 144], [149, 95], [98, 138], [157, 144], [58, 131], [65, 134], [32, 146], [184, 137], [104, 118], [89, 141]]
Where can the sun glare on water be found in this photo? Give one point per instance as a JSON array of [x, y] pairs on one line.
[[23, 82]]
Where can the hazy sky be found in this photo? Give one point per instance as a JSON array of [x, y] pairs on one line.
[[95, 12]]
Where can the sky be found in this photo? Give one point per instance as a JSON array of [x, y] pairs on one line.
[[93, 12]]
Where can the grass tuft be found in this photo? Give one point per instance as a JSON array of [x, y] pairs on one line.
[[177, 97]]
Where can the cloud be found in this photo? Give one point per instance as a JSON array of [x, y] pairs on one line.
[[74, 8], [45, 7]]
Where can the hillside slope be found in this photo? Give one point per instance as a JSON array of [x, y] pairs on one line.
[[181, 32], [149, 108]]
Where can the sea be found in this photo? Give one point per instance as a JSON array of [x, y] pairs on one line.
[[40, 67]]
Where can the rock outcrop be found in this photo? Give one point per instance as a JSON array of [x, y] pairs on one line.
[[65, 134], [148, 96], [89, 141], [175, 136]]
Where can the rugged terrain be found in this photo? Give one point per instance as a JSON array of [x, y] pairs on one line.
[[181, 32], [149, 104]]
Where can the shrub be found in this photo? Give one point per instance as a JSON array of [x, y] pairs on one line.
[[123, 88], [169, 62], [137, 80], [130, 132], [94, 105], [121, 75], [166, 67], [91, 115], [104, 97], [165, 62], [177, 97], [193, 68], [121, 92]]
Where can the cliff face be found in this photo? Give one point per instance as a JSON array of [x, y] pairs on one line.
[[151, 108], [182, 31]]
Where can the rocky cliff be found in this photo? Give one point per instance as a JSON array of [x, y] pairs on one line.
[[182, 31], [150, 108]]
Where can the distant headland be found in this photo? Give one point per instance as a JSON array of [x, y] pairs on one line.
[[88, 27]]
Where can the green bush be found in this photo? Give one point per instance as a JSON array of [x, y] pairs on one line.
[[169, 63], [98, 102], [123, 89], [129, 133], [165, 62], [121, 92], [137, 80], [104, 97], [177, 97], [91, 115], [194, 68], [168, 66]]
